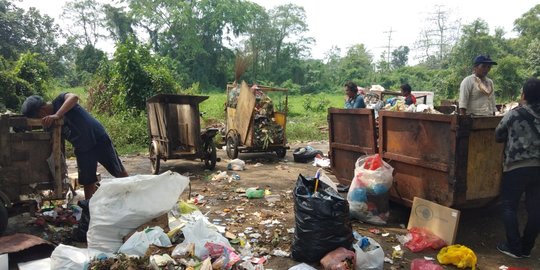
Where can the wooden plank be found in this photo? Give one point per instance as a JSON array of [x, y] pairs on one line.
[[231, 116], [244, 111], [5, 147], [440, 220], [57, 156]]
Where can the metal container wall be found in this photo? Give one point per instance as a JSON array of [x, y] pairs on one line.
[[352, 134], [449, 159]]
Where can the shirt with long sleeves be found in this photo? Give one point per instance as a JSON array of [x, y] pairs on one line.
[[477, 95]]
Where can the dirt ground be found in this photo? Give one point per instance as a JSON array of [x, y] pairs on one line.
[[479, 229]]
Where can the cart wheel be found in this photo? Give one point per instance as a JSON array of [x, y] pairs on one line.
[[232, 145], [210, 155], [281, 152], [154, 158], [3, 218]]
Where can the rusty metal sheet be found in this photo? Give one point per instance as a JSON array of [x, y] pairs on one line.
[[20, 241], [352, 134]]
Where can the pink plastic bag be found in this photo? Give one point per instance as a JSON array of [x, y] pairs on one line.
[[339, 259], [423, 264], [422, 239]]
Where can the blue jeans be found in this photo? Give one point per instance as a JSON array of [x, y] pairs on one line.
[[514, 184]]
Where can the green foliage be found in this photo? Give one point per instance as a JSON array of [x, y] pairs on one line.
[[508, 77], [89, 59], [133, 76], [34, 71], [320, 104], [13, 90], [128, 131]]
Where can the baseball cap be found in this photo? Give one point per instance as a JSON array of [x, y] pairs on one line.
[[483, 59]]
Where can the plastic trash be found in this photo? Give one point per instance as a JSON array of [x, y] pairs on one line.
[[339, 259], [458, 255], [199, 233], [321, 219], [422, 239], [423, 264], [68, 257], [368, 194], [303, 266], [121, 205], [369, 254], [236, 165], [139, 242], [254, 193]]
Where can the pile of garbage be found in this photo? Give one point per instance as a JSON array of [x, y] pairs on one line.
[[267, 132]]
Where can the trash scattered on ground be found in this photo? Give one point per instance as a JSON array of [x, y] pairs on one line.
[[321, 161], [236, 165], [423, 264], [258, 164], [458, 255], [305, 154]]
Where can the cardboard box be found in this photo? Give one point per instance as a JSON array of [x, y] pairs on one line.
[[440, 220]]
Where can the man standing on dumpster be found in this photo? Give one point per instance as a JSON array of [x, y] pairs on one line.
[[88, 137], [520, 131], [476, 92]]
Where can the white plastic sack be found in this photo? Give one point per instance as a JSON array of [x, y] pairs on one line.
[[120, 205], [199, 233], [139, 242], [69, 258], [368, 193], [369, 260], [236, 165]]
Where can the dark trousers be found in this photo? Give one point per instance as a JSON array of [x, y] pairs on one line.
[[514, 184]]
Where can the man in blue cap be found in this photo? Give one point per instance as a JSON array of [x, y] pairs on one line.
[[88, 137], [476, 92]]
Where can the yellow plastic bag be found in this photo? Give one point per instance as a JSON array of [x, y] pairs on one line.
[[458, 255]]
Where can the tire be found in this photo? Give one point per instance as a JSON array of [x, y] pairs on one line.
[[232, 145], [154, 158], [3, 218], [281, 152], [210, 153]]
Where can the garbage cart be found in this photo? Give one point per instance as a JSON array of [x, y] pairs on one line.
[[256, 120], [175, 131]]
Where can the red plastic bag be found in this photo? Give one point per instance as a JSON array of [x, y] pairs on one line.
[[373, 162], [422, 239], [339, 259], [423, 264]]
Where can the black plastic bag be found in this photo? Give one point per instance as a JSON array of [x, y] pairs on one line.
[[78, 233], [305, 154], [322, 221]]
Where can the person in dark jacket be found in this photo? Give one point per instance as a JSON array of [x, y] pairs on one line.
[[353, 100], [88, 137], [520, 131]]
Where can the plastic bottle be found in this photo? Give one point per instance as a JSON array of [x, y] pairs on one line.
[[253, 193]]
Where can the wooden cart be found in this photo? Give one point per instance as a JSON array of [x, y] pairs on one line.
[[175, 130], [256, 120], [30, 162]]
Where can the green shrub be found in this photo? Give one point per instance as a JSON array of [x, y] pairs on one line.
[[128, 131]]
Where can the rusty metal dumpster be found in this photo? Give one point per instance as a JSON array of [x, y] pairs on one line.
[[449, 159], [352, 134]]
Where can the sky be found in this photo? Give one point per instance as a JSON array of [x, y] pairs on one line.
[[344, 23]]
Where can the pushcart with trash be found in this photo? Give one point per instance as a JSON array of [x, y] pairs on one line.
[[256, 120], [175, 131]]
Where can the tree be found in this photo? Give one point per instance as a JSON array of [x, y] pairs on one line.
[[400, 56], [437, 39], [356, 65], [86, 21], [118, 22]]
